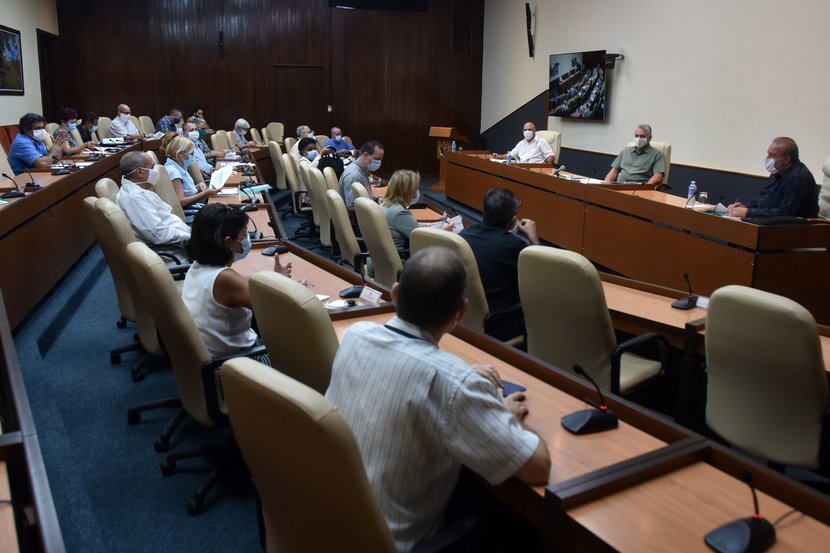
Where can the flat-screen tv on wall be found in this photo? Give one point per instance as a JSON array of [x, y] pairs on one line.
[[577, 85]]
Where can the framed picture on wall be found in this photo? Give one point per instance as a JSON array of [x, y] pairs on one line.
[[11, 61]]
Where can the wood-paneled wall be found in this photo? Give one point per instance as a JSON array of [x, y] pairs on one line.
[[388, 75]]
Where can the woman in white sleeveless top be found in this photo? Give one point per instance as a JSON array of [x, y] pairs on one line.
[[217, 296]]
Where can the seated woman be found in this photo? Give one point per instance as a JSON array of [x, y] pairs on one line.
[[89, 124], [218, 297], [403, 191], [69, 122], [179, 158]]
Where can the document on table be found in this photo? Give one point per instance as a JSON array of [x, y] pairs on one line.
[[220, 176]]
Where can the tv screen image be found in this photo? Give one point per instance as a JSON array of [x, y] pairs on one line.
[[577, 85]]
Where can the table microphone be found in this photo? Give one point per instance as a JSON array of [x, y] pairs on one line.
[[63, 171], [689, 301], [746, 535], [590, 421], [16, 193], [31, 183], [556, 173]]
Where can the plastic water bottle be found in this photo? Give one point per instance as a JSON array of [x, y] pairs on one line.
[[508, 158], [692, 190], [454, 147]]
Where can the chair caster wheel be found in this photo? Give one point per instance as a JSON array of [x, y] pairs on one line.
[[115, 358], [138, 376], [133, 418], [161, 447], [167, 468], [195, 507], [121, 323]]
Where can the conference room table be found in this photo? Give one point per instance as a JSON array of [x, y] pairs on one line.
[[650, 236]]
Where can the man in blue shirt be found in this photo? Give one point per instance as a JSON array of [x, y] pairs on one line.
[[168, 123], [337, 143], [28, 149]]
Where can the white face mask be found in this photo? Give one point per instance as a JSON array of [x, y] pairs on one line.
[[769, 163], [417, 198], [528, 134], [153, 177], [310, 134], [641, 141], [124, 117], [193, 135], [39, 134], [374, 165]]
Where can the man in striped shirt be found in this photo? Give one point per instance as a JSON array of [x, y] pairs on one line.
[[419, 413]]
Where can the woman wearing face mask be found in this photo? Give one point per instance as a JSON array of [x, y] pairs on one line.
[[310, 155], [218, 297], [179, 158], [69, 122], [89, 124], [403, 191]]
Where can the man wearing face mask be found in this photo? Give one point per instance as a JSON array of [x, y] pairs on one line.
[[640, 163], [791, 189], [89, 124], [122, 126], [151, 218], [368, 161], [531, 149], [496, 243], [337, 143], [190, 131], [240, 129], [303, 131], [168, 122], [28, 149]]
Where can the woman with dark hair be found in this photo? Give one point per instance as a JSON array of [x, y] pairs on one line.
[[68, 119], [218, 297]]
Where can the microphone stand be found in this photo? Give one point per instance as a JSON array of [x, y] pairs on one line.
[[746, 535], [689, 301], [31, 184], [590, 421], [16, 193]]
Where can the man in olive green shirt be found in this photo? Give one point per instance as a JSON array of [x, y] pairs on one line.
[[640, 163]]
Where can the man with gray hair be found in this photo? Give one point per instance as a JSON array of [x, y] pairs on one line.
[[302, 132], [240, 129], [151, 218], [639, 164]]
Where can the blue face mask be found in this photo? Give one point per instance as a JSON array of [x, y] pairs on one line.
[[338, 138], [72, 127], [246, 248], [177, 120], [188, 162], [94, 128], [311, 154]]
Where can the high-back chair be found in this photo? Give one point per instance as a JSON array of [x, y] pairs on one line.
[[164, 188], [289, 142], [343, 231], [292, 179], [233, 143], [50, 127], [359, 191], [4, 164], [321, 139], [767, 384], [824, 191], [256, 137], [275, 151], [478, 309], [568, 322], [103, 129], [219, 141], [153, 156], [196, 173], [332, 183], [317, 182], [76, 136], [106, 188], [146, 124], [275, 130], [554, 138], [137, 124], [375, 231], [665, 148], [295, 327], [290, 485]]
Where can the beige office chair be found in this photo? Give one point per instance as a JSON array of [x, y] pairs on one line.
[[232, 141], [554, 138], [349, 140], [219, 141], [275, 130], [359, 191], [103, 130], [48, 142], [4, 165], [137, 123], [106, 188], [568, 322], [305, 178], [153, 156], [275, 152], [289, 143], [665, 148], [256, 137], [343, 231], [317, 183], [76, 136], [146, 124], [321, 139], [767, 385], [50, 127], [164, 188], [317, 497], [478, 309], [196, 173], [292, 179], [332, 183], [295, 327], [375, 231], [824, 192]]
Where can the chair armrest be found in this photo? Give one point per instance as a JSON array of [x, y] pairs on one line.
[[210, 372], [494, 319], [625, 347], [824, 444]]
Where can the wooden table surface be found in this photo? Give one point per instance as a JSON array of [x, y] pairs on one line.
[[8, 530]]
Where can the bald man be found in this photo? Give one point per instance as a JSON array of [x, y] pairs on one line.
[[531, 149], [122, 126]]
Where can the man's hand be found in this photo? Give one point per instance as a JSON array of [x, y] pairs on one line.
[[528, 228], [490, 373], [515, 403], [736, 210], [280, 268]]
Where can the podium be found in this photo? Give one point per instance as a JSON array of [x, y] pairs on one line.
[[444, 138]]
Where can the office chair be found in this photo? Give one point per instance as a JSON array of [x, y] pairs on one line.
[[137, 123], [76, 136], [196, 173], [824, 192], [332, 182], [289, 142], [295, 327], [350, 251], [154, 156], [146, 124], [359, 191], [219, 141], [299, 207], [321, 139], [256, 137], [567, 321], [665, 148], [50, 127], [375, 231], [164, 188], [198, 382], [315, 497], [275, 130], [554, 138], [317, 184], [233, 143], [103, 130], [275, 152], [767, 387], [106, 188]]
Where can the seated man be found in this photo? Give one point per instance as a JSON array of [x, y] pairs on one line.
[[790, 190], [28, 149], [240, 129], [337, 143], [122, 126], [367, 161], [89, 124], [531, 149], [151, 218], [639, 164], [168, 123], [496, 245], [303, 131], [419, 413], [202, 150]]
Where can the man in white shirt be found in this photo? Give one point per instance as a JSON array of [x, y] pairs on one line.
[[419, 413], [122, 126], [151, 218], [302, 132], [531, 149]]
